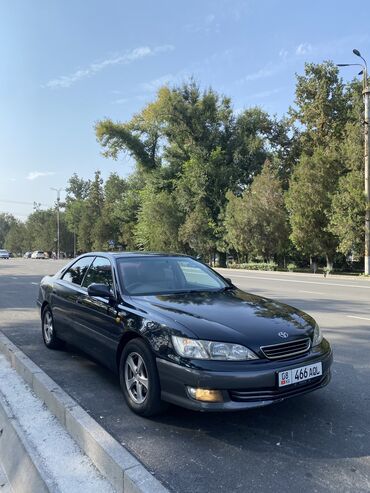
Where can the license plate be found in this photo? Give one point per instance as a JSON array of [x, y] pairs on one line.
[[288, 377]]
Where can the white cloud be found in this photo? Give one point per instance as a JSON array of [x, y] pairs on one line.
[[209, 19], [121, 101], [32, 175], [303, 49], [206, 24], [283, 54], [285, 59], [66, 81], [155, 84], [266, 71], [265, 94], [167, 79]]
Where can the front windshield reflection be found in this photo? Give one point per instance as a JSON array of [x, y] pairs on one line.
[[160, 275]]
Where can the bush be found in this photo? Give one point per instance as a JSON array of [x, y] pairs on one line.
[[254, 266], [291, 267]]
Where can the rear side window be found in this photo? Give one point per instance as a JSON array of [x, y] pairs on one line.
[[76, 272], [100, 272]]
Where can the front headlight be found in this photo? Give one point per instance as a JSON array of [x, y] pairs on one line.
[[196, 349], [317, 336]]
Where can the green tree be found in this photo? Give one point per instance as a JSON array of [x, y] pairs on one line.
[[198, 231], [347, 216], [114, 191], [90, 225], [126, 210], [6, 222], [158, 221], [323, 111], [321, 106], [234, 220], [78, 188], [190, 143], [256, 223], [77, 192], [41, 228], [17, 239], [308, 201]]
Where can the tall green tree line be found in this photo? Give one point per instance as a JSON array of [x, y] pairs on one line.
[[210, 181]]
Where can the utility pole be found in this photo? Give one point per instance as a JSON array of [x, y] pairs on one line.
[[58, 190], [366, 95]]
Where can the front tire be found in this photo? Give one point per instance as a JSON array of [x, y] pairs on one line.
[[51, 341], [139, 379]]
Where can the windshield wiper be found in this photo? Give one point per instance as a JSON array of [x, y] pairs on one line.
[[187, 291], [227, 288]]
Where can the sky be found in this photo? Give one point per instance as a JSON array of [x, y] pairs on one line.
[[67, 64]]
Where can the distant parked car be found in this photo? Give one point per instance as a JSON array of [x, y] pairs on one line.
[[27, 255], [38, 254], [4, 254]]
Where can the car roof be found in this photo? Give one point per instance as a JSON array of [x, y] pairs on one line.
[[136, 254]]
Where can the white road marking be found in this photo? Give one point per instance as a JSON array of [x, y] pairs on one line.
[[310, 292], [302, 282], [14, 277], [360, 318], [35, 283]]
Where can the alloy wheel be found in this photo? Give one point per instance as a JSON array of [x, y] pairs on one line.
[[136, 378], [48, 327]]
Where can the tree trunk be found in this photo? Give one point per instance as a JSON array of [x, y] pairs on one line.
[[222, 259], [329, 262]]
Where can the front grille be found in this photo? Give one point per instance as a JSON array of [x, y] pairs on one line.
[[286, 349], [281, 393]]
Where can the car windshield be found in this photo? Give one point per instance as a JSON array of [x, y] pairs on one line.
[[158, 275]]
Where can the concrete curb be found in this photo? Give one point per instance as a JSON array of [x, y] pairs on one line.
[[342, 277], [23, 467], [117, 464]]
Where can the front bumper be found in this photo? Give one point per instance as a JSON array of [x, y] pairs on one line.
[[254, 386]]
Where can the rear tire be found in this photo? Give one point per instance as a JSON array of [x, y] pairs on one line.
[[51, 341], [139, 379]]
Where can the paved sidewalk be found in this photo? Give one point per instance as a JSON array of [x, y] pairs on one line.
[[4, 483], [49, 446]]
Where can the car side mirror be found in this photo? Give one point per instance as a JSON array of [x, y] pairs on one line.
[[227, 279], [101, 290]]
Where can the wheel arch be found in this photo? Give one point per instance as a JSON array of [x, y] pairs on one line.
[[127, 337], [43, 306]]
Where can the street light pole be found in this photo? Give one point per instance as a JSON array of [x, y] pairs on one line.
[[366, 95], [58, 190]]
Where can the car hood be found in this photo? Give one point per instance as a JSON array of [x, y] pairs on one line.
[[231, 316]]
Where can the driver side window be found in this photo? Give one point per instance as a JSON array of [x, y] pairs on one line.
[[100, 272], [76, 272]]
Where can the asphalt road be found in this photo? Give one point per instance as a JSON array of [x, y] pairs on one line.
[[319, 442]]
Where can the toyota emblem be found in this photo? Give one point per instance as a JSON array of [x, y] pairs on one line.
[[283, 335]]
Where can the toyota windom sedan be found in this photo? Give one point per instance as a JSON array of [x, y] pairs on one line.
[[176, 331]]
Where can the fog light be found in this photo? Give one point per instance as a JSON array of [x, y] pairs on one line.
[[205, 395]]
